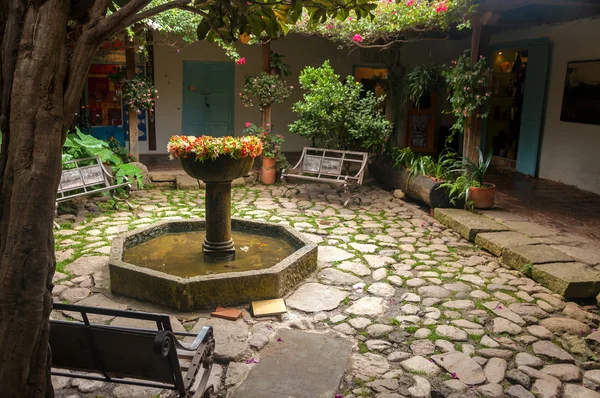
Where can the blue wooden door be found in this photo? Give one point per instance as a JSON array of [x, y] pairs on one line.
[[207, 98], [533, 108]]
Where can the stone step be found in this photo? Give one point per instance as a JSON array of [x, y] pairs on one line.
[[467, 223], [571, 280], [519, 249], [495, 242]]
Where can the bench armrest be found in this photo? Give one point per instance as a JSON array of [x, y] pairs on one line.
[[193, 346], [361, 172], [286, 171]]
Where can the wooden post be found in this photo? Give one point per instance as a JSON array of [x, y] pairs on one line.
[[265, 118], [472, 137], [134, 148], [151, 113]]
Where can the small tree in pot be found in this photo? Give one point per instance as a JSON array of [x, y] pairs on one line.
[[339, 115], [272, 157]]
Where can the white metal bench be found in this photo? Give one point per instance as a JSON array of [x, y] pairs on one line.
[[86, 176], [344, 168]]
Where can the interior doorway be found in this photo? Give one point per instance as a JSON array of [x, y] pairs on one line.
[[513, 128], [509, 68]]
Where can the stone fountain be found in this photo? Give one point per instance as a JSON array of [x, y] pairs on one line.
[[193, 264]]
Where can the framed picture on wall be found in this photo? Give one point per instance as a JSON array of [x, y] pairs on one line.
[[581, 98]]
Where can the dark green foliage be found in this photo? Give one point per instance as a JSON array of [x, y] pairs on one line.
[[339, 115]]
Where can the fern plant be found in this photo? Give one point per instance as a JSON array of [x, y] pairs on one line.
[[421, 80]]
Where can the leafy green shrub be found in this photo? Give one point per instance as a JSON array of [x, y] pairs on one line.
[[79, 145], [267, 89], [128, 170], [334, 115], [120, 150], [468, 89]]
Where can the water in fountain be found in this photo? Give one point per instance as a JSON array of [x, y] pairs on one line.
[[180, 254]]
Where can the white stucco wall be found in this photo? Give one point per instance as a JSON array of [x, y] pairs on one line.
[[299, 51], [569, 151]]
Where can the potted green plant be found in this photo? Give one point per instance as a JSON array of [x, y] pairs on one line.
[[278, 66], [481, 193], [271, 151], [469, 187]]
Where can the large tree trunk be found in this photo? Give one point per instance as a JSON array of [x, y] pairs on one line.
[[32, 162]]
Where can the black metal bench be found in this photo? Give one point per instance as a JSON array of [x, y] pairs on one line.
[[144, 357], [345, 168]]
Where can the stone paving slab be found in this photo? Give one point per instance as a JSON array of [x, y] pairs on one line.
[[502, 215], [588, 253], [518, 256], [185, 182], [530, 229], [571, 280], [495, 242], [163, 177], [298, 364], [466, 223]]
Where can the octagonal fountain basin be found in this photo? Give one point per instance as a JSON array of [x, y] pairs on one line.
[[164, 264]]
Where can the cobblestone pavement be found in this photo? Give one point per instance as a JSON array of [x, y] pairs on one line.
[[429, 313]]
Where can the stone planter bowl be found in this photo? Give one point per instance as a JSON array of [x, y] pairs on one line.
[[223, 168]]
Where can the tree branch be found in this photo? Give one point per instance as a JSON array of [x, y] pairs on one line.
[[130, 15], [99, 9], [204, 15], [90, 40], [117, 21]]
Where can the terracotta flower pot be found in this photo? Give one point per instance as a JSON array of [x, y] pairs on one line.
[[483, 197], [268, 171]]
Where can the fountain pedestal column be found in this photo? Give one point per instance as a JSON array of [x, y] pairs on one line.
[[218, 242], [218, 174]]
